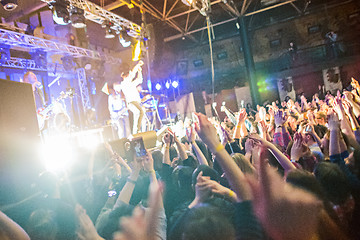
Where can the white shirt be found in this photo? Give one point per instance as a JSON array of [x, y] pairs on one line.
[[128, 87]]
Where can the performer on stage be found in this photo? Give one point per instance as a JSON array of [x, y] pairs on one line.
[[128, 86], [31, 78], [119, 112]]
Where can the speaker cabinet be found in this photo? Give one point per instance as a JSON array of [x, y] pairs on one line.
[[18, 121]]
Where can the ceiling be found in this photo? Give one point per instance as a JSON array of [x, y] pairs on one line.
[[175, 22]]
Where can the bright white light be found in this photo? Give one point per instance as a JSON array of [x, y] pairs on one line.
[[158, 86], [89, 141], [59, 20], [57, 154], [124, 43], [167, 85], [175, 84]]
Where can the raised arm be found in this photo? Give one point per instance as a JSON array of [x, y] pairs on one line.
[[235, 176], [199, 154], [11, 229]]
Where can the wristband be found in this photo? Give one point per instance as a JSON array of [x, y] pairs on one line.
[[130, 180], [219, 148], [231, 194], [151, 171]]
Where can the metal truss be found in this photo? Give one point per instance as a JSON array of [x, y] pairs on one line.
[[84, 91], [29, 64], [27, 41], [99, 15], [167, 15]]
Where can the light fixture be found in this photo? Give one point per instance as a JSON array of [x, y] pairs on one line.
[[9, 5], [167, 85], [4, 54], [175, 84], [124, 39], [137, 51], [77, 17], [109, 34], [158, 86], [39, 58], [68, 63], [61, 12]]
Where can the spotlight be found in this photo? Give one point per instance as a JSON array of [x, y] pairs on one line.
[[77, 17], [40, 58], [109, 34], [60, 12], [9, 5], [167, 85], [158, 86], [68, 63], [124, 39], [175, 84]]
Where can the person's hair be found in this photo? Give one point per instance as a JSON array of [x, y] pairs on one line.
[[182, 176], [172, 153], [206, 171], [333, 181], [307, 181], [207, 223], [109, 224], [42, 225], [26, 76], [158, 157], [243, 163]]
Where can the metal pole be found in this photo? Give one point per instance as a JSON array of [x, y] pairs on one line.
[[249, 61], [208, 24]]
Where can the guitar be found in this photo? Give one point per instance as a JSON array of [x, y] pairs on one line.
[[116, 116], [44, 114]]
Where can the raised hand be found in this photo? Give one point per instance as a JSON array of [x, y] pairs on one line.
[[148, 162], [297, 150], [333, 121], [86, 229], [280, 118], [206, 132], [167, 138], [242, 116], [280, 207]]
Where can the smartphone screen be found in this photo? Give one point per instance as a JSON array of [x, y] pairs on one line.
[[137, 145]]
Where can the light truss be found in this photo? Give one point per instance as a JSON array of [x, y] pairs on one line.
[[29, 64], [22, 63], [99, 15], [26, 41], [84, 91]]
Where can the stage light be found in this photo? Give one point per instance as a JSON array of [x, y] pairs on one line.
[[57, 154], [167, 85], [109, 34], [39, 58], [188, 2], [77, 17], [158, 86], [123, 42], [137, 51], [9, 5], [68, 63], [175, 84], [61, 12], [4, 54]]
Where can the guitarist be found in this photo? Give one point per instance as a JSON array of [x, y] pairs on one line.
[[119, 112], [31, 78]]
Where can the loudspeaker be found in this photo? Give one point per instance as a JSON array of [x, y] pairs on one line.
[[18, 120], [149, 139]]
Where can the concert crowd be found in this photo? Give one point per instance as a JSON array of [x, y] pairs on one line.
[[282, 171]]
